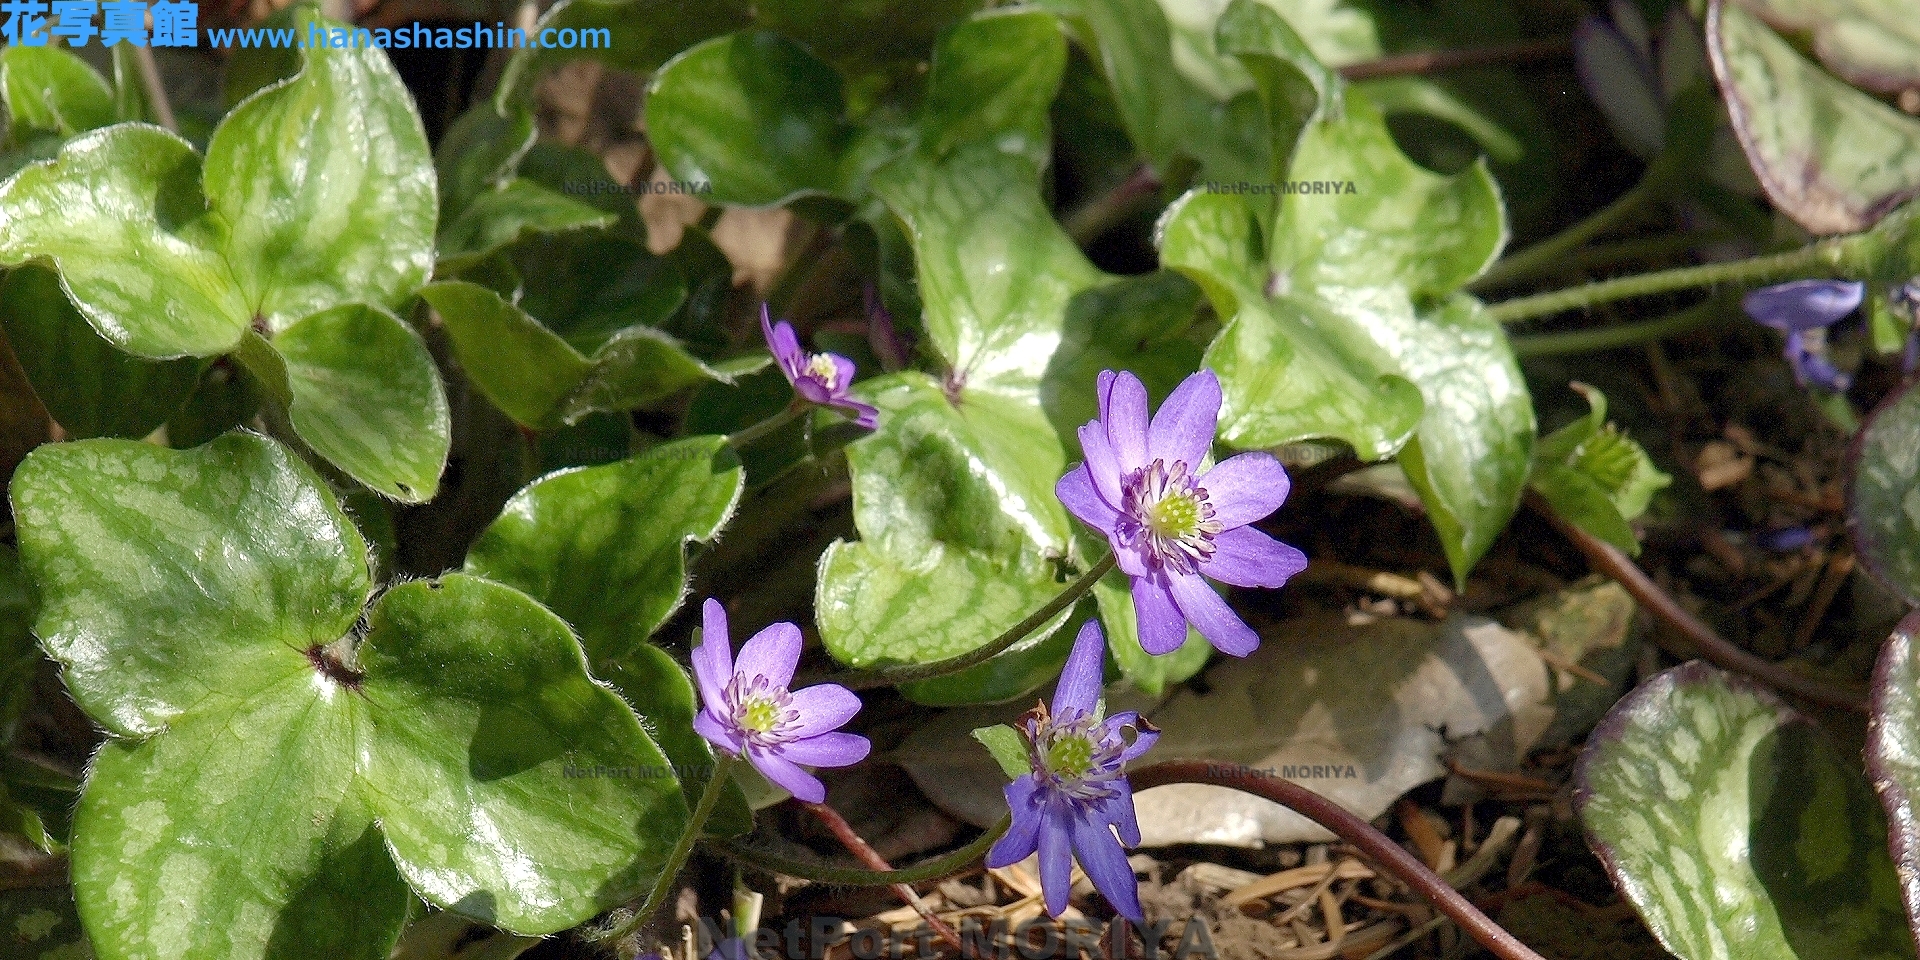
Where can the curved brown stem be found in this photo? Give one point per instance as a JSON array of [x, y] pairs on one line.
[[872, 860], [1352, 829], [1709, 644]]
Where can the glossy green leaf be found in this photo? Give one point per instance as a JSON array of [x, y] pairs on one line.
[[239, 832], [248, 814], [479, 704], [1884, 504], [752, 113], [640, 36], [367, 396], [481, 151], [497, 218], [172, 582], [47, 88], [91, 388], [994, 76], [539, 378], [314, 192], [604, 547], [1282, 378], [660, 691], [1834, 159], [863, 35], [1008, 747], [1872, 43], [1736, 827], [1596, 476]]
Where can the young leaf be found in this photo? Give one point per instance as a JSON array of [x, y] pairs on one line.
[[1596, 476], [604, 547], [1736, 827]]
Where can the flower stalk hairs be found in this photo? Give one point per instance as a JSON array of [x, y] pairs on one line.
[[1173, 523], [747, 710], [1076, 802], [818, 378]]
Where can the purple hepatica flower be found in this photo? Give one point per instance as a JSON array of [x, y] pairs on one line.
[[1172, 526], [746, 708], [1077, 796], [821, 378], [1803, 310]]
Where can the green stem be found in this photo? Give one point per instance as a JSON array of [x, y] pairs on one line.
[[1554, 250], [1639, 248], [760, 430], [894, 676], [1622, 335], [1840, 256], [934, 869], [722, 770]]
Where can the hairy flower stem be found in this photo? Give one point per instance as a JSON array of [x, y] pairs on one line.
[[1838, 257], [1556, 248], [892, 676], [1622, 335], [758, 431], [787, 866], [1352, 829], [722, 770]]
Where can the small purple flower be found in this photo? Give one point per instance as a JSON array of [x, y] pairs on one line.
[[1172, 527], [1803, 310], [821, 378], [746, 708], [1077, 796]]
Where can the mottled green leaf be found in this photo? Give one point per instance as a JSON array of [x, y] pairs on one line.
[[497, 218], [1834, 159], [994, 77], [1872, 43], [479, 705], [315, 192], [752, 113], [1893, 754], [39, 923], [367, 396], [47, 88], [1885, 501], [91, 388], [1736, 827], [481, 151], [605, 546]]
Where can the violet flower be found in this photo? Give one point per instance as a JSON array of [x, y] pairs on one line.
[[1171, 526], [821, 378], [1803, 310], [1077, 796], [746, 708]]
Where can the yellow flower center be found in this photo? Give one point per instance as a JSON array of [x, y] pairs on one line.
[[1070, 756], [1174, 516], [822, 368], [760, 714]]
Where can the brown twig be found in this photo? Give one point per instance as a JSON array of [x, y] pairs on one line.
[[872, 860], [1353, 830], [1431, 61], [1710, 645]]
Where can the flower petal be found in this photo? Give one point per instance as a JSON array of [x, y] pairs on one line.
[[1245, 488], [1105, 862], [1245, 557], [1078, 691], [1126, 421], [804, 786], [1021, 839], [1143, 738], [824, 707], [1163, 628], [772, 653], [1183, 427], [717, 732], [713, 658], [1807, 354], [812, 390], [864, 415], [1119, 810], [1211, 616], [782, 343], [827, 750], [1804, 304], [1077, 494], [1056, 860], [1102, 467], [1621, 83]]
